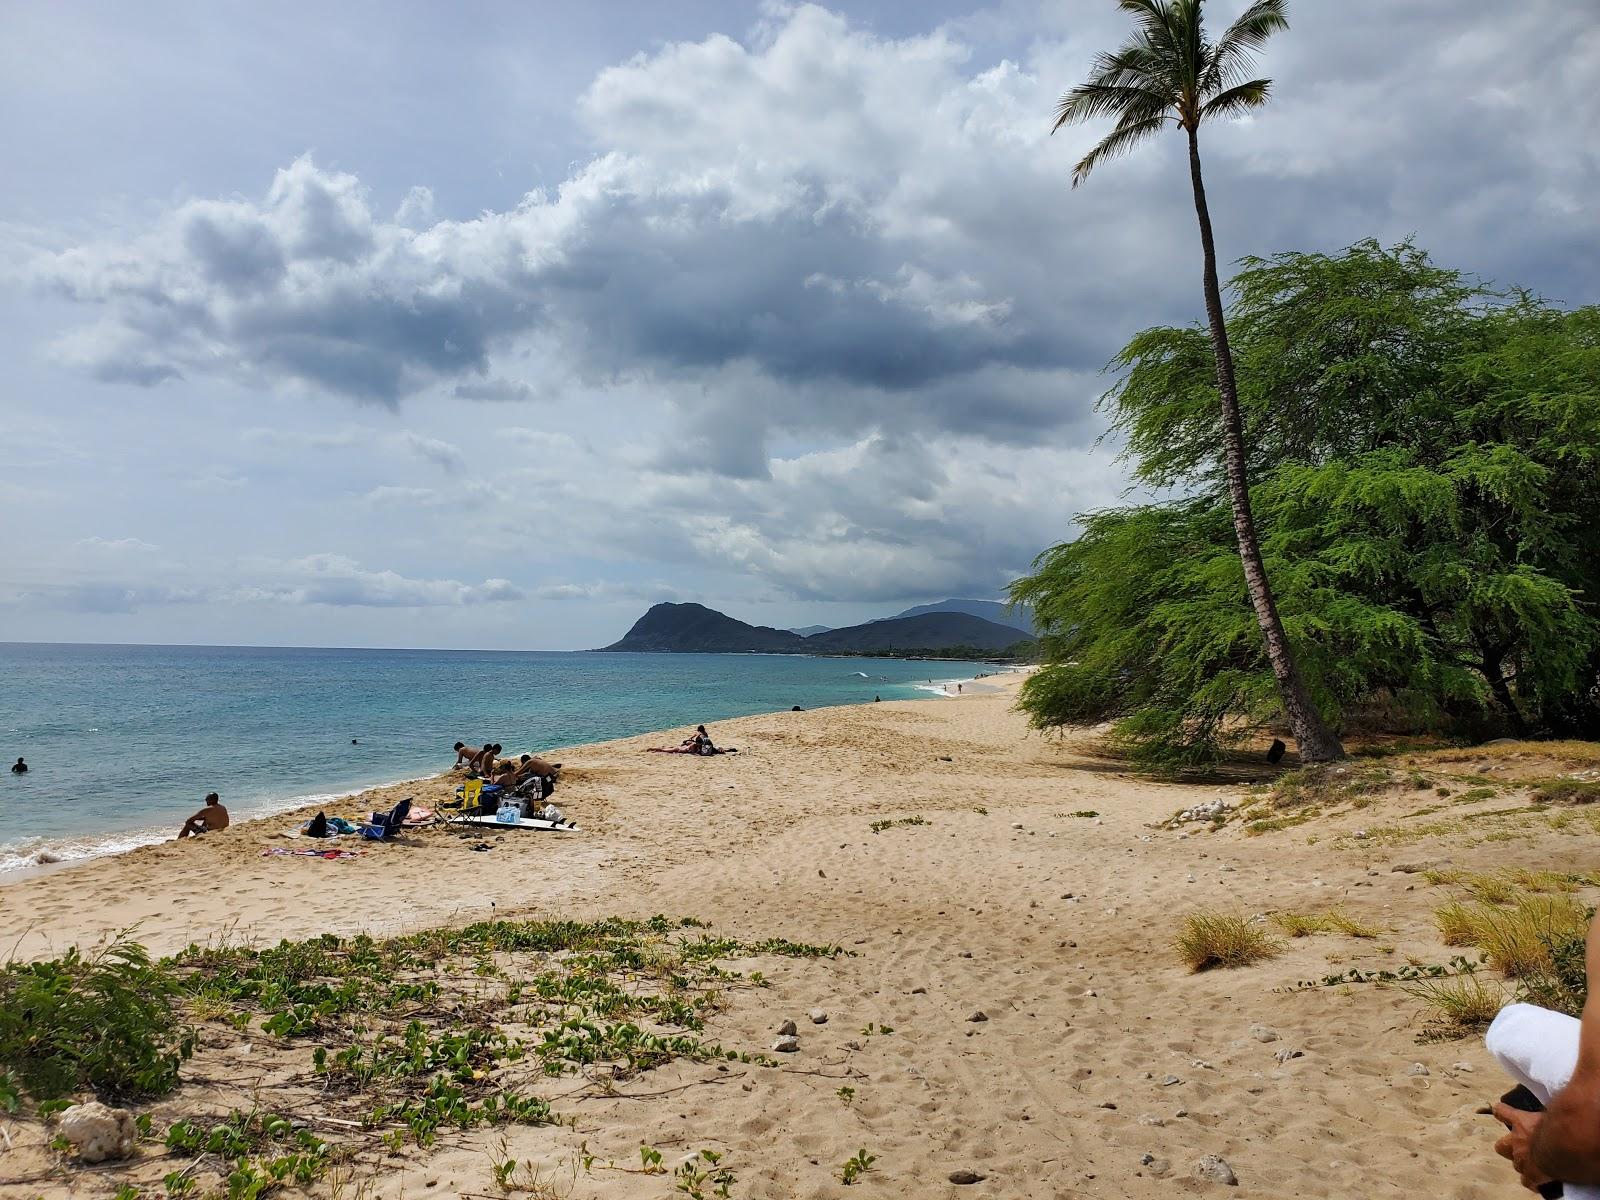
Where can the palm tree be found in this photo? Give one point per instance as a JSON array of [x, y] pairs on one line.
[[1168, 73]]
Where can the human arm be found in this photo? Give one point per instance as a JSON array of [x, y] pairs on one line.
[[1564, 1142]]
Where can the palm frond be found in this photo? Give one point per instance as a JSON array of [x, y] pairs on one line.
[[1235, 49], [1120, 140], [1237, 100], [1155, 16], [1090, 100]]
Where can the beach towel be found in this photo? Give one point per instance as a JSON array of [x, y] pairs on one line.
[[284, 851], [1539, 1049]]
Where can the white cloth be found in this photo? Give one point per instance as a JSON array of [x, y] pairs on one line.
[[1539, 1049]]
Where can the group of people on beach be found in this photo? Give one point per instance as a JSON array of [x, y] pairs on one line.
[[484, 762]]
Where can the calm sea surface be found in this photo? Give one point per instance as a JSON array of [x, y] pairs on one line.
[[124, 741]]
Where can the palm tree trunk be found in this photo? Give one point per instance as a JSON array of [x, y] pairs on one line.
[[1317, 742]]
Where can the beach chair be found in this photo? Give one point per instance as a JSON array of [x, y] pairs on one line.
[[384, 826]]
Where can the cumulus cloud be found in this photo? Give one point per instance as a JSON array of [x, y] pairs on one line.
[[818, 314]]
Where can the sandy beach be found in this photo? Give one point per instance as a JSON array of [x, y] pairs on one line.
[[1041, 890]]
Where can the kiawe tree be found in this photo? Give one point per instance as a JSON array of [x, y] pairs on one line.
[[1425, 463], [1169, 75]]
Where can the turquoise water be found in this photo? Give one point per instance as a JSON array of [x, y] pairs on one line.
[[124, 741]]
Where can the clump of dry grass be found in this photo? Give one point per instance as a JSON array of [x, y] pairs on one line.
[[1341, 922], [1459, 924], [1299, 925], [1211, 939], [1490, 889], [1460, 1004], [1517, 942], [1542, 881]]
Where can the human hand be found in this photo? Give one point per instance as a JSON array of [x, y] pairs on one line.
[[1517, 1144]]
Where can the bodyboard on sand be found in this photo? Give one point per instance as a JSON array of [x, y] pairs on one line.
[[521, 823]]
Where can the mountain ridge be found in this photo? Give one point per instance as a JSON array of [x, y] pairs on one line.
[[693, 628]]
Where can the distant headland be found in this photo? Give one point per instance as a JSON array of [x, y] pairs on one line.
[[952, 628]]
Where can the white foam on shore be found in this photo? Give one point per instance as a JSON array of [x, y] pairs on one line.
[[31, 854]]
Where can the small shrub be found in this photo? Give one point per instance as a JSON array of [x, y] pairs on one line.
[[1084, 812], [1219, 940], [107, 1022]]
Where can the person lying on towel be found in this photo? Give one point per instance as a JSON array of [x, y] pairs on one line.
[[1557, 1059], [699, 742]]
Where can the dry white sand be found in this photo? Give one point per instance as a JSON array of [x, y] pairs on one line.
[[1099, 1047]]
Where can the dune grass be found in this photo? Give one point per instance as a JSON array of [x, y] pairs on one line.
[[1459, 924], [1459, 1005], [1299, 925], [1212, 939], [1342, 922]]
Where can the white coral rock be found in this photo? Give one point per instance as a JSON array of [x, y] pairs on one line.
[[99, 1132]]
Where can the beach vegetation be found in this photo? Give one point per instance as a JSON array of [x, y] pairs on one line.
[[109, 1021], [1425, 465], [1299, 925], [1458, 1005], [857, 1165], [1212, 939], [1567, 791], [1170, 75], [880, 826], [420, 1035]]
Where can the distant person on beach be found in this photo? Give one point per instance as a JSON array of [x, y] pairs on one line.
[[699, 742], [1555, 1060], [467, 754], [208, 820], [19, 767], [487, 762]]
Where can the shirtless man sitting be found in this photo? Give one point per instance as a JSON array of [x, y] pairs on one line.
[[1539, 1047], [208, 820]]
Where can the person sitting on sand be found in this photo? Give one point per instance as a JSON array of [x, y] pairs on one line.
[[208, 820], [1557, 1059], [19, 767]]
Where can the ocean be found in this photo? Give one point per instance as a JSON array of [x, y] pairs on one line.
[[123, 742]]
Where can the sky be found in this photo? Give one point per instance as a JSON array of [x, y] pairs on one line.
[[490, 325]]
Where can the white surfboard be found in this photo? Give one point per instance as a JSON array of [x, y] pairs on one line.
[[521, 823]]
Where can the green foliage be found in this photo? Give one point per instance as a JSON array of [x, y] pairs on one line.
[[857, 1165], [1424, 456], [107, 1022]]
